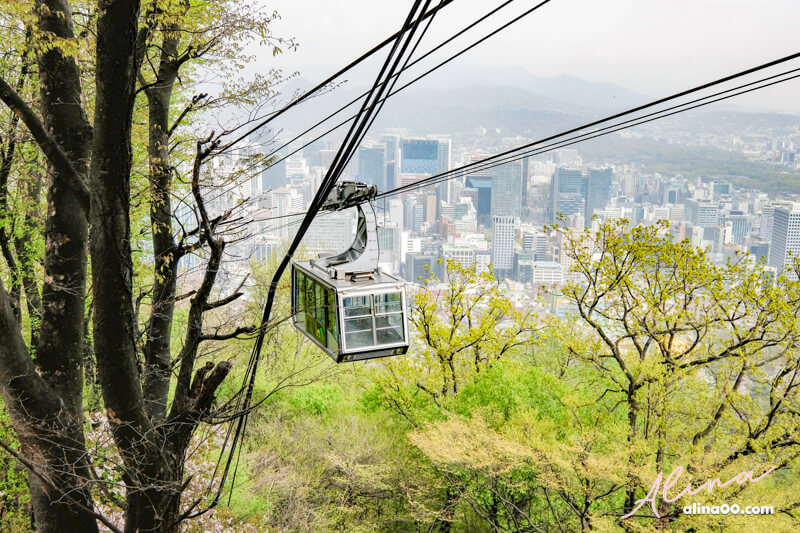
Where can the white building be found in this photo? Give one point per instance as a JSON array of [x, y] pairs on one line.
[[785, 245], [547, 273], [504, 229]]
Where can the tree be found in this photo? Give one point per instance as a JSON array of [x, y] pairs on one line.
[[702, 358], [87, 142], [464, 330], [665, 360]]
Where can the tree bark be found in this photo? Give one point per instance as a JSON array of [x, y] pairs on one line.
[[44, 399], [50, 436], [165, 252]]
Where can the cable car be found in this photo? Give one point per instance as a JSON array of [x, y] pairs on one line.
[[343, 302]]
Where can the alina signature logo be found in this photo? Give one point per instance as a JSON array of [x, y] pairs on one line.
[[672, 480]]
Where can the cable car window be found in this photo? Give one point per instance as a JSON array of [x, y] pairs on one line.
[[299, 287], [388, 318], [357, 306], [389, 321], [315, 310], [319, 314], [388, 303], [389, 335], [358, 325], [331, 321], [359, 339], [308, 296]]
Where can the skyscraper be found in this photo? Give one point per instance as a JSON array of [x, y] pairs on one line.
[[507, 189], [443, 188], [392, 143], [702, 213], [503, 232], [567, 193], [372, 166], [311, 153], [419, 156], [481, 181], [274, 176], [785, 245], [598, 192], [740, 225]]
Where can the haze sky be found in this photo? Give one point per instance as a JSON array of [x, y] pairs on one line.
[[648, 46]]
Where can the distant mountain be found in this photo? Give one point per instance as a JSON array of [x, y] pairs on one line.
[[508, 100], [568, 89]]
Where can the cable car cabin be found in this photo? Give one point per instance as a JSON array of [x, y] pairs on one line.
[[350, 320], [344, 302]]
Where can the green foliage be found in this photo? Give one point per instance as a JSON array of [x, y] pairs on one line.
[[319, 462], [316, 399], [15, 511]]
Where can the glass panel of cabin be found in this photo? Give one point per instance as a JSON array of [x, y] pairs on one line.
[[358, 325], [388, 318], [331, 322], [319, 313], [357, 306], [299, 284], [388, 303]]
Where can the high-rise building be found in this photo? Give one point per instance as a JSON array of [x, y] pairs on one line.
[[391, 175], [481, 181], [326, 157], [429, 214], [274, 175], [419, 156], [408, 212], [311, 152], [503, 232], [702, 213], [389, 237], [525, 172], [331, 234], [535, 242], [740, 226], [767, 216], [483, 259], [567, 193], [598, 192], [785, 245], [463, 254], [372, 166], [507, 189], [443, 188], [759, 250], [418, 217], [419, 267], [392, 144]]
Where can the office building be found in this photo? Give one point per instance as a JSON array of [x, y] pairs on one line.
[[372, 166], [785, 245], [568, 189], [503, 232], [419, 156], [506, 190], [598, 192], [702, 213]]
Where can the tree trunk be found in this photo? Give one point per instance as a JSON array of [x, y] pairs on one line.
[[51, 438], [166, 255], [45, 400]]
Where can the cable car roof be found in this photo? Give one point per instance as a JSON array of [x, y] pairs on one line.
[[378, 281]]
